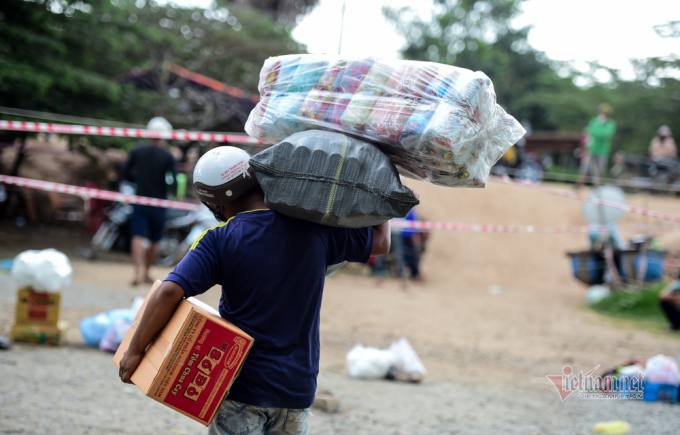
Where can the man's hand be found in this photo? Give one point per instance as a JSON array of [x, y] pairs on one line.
[[673, 297], [158, 311], [381, 239], [129, 364]]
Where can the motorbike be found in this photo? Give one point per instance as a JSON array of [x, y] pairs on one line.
[[180, 233], [640, 168], [182, 228]]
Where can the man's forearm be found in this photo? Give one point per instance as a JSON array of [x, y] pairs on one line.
[[158, 311], [670, 297], [381, 239]]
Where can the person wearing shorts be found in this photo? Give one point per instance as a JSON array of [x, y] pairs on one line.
[[147, 166], [147, 222]]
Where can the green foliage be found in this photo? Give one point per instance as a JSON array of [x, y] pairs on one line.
[[476, 34], [65, 56], [640, 305]]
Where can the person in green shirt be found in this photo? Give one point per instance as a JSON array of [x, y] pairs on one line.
[[601, 129]]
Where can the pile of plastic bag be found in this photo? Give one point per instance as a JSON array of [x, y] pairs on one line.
[[662, 369], [107, 330], [399, 362], [437, 123], [44, 271]]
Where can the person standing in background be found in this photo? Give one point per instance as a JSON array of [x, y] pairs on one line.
[[601, 130], [411, 241], [147, 166], [669, 300], [663, 145]]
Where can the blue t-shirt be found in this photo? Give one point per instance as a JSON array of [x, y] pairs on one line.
[[272, 271], [412, 217]]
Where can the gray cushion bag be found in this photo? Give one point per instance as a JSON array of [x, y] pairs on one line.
[[331, 179]]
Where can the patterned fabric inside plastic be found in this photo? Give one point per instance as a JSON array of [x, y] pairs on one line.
[[438, 123]]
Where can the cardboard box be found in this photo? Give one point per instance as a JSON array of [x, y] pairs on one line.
[[37, 307], [193, 361], [39, 334]]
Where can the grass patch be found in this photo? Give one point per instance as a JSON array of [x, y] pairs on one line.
[[640, 306]]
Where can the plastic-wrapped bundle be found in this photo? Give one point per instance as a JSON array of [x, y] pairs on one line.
[[284, 85], [410, 81], [346, 84], [332, 179], [363, 100], [275, 116], [437, 123], [278, 75], [388, 119], [307, 75]]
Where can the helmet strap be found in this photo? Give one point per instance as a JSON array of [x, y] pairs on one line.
[[216, 211]]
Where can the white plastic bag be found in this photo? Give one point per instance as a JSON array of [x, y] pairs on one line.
[[48, 270], [107, 330], [368, 362], [662, 369], [405, 359], [399, 359], [114, 336], [596, 293]]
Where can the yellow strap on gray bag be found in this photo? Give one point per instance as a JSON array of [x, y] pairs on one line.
[[334, 188]]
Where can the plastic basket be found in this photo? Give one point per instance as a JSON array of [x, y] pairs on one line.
[[588, 267], [661, 393], [630, 262]]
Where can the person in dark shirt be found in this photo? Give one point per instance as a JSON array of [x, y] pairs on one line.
[[272, 271], [148, 166], [412, 240]]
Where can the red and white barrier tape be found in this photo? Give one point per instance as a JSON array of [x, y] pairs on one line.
[[598, 201], [397, 223], [638, 184], [96, 193], [125, 132], [477, 228]]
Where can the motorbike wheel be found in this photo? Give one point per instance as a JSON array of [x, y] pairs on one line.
[[104, 238]]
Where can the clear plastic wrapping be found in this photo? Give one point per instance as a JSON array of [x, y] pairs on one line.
[[437, 123]]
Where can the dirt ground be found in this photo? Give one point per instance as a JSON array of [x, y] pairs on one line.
[[487, 354]]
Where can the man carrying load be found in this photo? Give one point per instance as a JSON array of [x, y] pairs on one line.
[[272, 271]]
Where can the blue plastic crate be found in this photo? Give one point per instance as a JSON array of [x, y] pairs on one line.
[[661, 393], [588, 267], [628, 263]]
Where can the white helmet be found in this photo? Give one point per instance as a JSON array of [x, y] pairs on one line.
[[222, 175], [159, 124]]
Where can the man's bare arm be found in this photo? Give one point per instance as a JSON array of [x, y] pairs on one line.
[[158, 311], [381, 239], [670, 296]]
